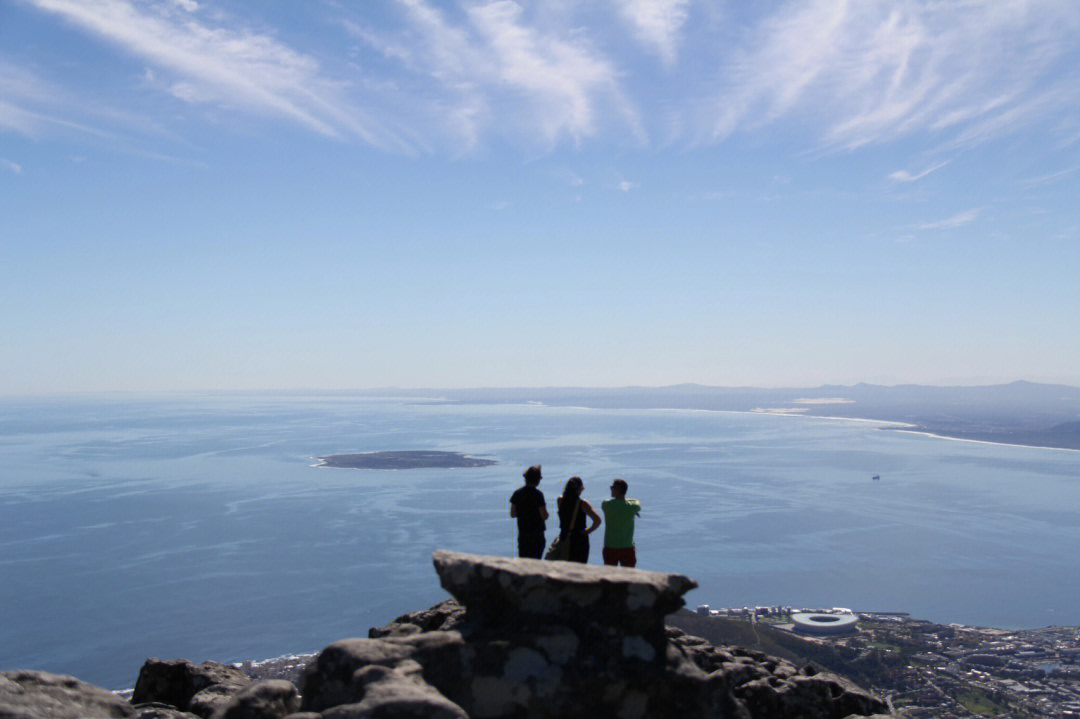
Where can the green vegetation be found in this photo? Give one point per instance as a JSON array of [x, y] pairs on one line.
[[883, 645], [978, 702]]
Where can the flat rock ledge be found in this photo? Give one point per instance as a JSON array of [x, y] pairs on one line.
[[500, 590], [523, 639]]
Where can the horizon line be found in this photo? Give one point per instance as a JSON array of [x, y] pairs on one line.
[[495, 388]]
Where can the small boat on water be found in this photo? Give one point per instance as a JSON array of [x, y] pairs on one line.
[[876, 477]]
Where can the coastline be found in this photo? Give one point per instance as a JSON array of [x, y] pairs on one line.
[[891, 425], [936, 435], [279, 477]]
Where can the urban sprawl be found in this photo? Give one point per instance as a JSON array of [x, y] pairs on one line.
[[922, 669]]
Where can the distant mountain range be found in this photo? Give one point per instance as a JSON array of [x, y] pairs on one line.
[[1026, 413]]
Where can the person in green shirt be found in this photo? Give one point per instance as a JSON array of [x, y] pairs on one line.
[[619, 515]]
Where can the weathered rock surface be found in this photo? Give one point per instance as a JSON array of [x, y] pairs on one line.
[[265, 699], [208, 701], [529, 638], [177, 682], [40, 695], [398, 692], [336, 677], [444, 616], [155, 710], [768, 687], [502, 590]]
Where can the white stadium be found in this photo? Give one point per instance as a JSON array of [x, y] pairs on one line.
[[824, 624]]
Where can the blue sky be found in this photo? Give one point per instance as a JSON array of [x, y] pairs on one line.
[[330, 194]]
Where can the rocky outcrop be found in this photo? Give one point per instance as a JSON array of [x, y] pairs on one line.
[[528, 638], [444, 616], [521, 639], [30, 695], [196, 688], [500, 591], [397, 692], [267, 699], [764, 686]]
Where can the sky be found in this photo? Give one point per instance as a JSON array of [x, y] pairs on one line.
[[246, 195]]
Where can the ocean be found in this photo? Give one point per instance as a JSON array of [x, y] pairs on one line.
[[197, 526]]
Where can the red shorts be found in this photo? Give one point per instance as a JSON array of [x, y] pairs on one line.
[[626, 556]]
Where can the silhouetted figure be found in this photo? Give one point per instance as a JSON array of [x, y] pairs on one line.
[[577, 534], [619, 515], [527, 504]]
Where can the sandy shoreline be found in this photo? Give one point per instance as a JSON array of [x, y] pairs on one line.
[[985, 441], [890, 424]]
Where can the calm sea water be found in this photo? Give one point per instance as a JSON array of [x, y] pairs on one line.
[[198, 527]]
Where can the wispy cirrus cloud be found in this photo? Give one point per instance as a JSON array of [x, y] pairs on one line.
[[877, 70], [657, 23], [33, 106], [10, 166], [452, 75], [211, 62], [37, 108], [958, 220], [1050, 177], [493, 68], [17, 88], [905, 176]]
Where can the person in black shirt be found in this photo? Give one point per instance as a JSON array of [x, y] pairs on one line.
[[572, 512], [527, 504]]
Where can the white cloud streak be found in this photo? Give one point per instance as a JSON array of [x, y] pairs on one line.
[[957, 220], [657, 24], [905, 176], [11, 166], [560, 78], [1050, 177], [494, 69], [872, 71], [31, 105], [213, 63], [19, 92], [852, 73]]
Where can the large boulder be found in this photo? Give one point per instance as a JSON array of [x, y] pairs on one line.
[[500, 590], [398, 693], [264, 699], [208, 701], [40, 695], [444, 616], [198, 688], [336, 676], [553, 639]]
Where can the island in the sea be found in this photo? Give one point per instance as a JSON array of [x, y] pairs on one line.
[[404, 459]]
